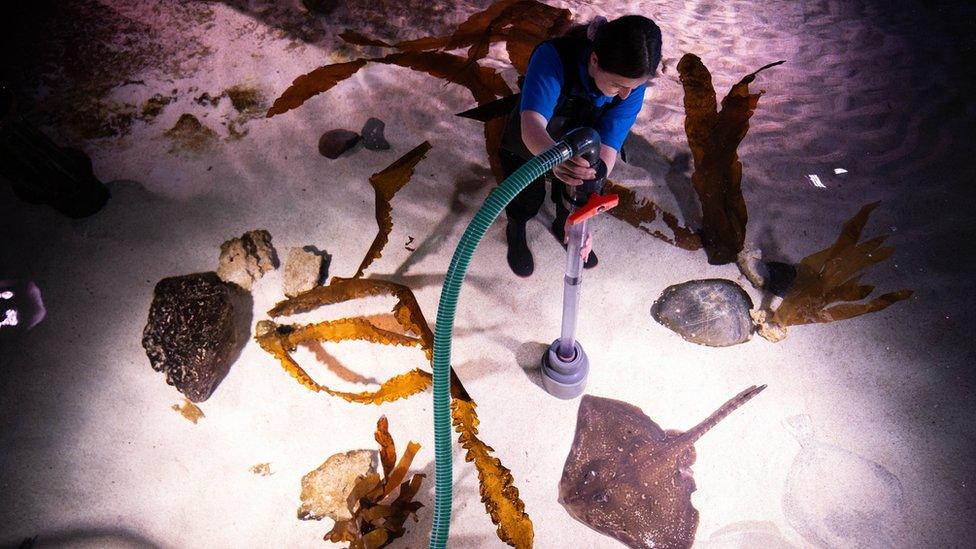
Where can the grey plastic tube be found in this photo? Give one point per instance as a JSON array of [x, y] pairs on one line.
[[494, 204]]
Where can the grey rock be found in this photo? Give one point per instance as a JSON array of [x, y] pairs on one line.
[[335, 142], [302, 271], [325, 490], [191, 332], [244, 260], [713, 312], [373, 135]]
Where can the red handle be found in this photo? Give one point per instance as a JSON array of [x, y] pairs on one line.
[[595, 205]]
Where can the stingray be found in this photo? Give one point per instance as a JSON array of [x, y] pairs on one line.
[[631, 480]]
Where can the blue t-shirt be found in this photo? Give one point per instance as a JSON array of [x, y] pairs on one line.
[[544, 81]]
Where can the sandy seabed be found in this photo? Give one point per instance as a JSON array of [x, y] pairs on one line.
[[93, 455]]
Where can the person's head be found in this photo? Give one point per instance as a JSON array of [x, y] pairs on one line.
[[626, 53]]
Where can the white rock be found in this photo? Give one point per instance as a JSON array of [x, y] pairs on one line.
[[325, 490], [244, 260], [302, 270]]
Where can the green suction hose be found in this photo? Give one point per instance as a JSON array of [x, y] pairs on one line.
[[494, 204]]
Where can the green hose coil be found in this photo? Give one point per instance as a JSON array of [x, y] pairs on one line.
[[494, 204]]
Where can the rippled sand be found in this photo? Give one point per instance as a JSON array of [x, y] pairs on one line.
[[93, 454]]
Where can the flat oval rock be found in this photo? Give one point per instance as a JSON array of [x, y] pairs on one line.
[[335, 142], [373, 135], [713, 312]]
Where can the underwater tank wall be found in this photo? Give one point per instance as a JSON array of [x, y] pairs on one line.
[[217, 297]]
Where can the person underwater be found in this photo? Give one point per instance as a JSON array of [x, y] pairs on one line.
[[593, 76]]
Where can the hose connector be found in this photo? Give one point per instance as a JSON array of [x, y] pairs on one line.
[[584, 142]]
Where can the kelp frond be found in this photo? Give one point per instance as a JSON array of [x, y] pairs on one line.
[[714, 138], [833, 275], [377, 517], [281, 340], [385, 184]]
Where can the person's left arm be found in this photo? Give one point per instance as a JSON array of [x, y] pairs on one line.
[[613, 129]]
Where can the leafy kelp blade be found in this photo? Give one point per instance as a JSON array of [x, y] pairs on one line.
[[636, 212], [833, 275], [406, 310], [309, 85], [529, 24], [714, 138], [498, 493], [376, 519], [280, 341], [386, 183], [495, 109], [484, 82], [359, 39]]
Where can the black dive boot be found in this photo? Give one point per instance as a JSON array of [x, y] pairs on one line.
[[559, 231], [519, 256]]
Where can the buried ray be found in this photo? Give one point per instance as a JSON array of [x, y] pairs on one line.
[[631, 480]]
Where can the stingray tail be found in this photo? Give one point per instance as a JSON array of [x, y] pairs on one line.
[[697, 431]]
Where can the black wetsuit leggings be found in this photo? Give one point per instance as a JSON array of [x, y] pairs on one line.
[[528, 202]]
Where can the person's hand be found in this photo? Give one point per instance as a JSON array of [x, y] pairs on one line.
[[587, 241], [574, 171]]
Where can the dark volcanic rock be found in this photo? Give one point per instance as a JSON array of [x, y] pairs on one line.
[[191, 332], [712, 312], [335, 142], [373, 135]]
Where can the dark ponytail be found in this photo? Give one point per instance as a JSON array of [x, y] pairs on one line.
[[629, 46]]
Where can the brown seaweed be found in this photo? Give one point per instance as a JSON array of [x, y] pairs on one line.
[[833, 275], [631, 480], [527, 25], [500, 496], [406, 311], [492, 110], [636, 213], [386, 183], [377, 518], [311, 84], [280, 341], [713, 138], [521, 24], [484, 83], [498, 492]]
